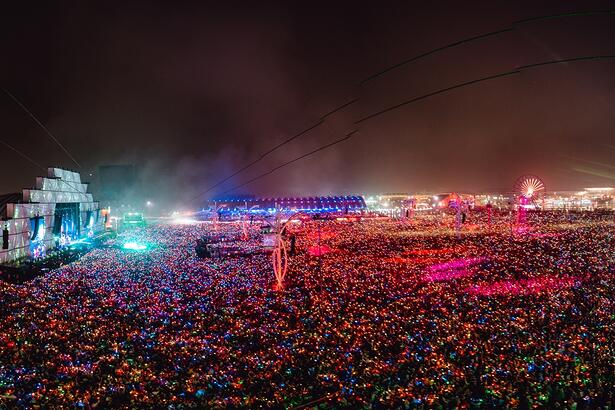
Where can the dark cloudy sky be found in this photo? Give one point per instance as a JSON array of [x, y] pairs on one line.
[[192, 91]]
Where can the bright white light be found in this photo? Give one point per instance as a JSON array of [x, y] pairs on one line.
[[605, 189], [180, 220], [149, 203], [134, 246]]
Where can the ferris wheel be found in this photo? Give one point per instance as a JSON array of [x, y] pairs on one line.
[[529, 187]]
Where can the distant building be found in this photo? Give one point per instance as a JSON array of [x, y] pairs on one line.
[[388, 201], [496, 200], [585, 200], [56, 212], [588, 199], [396, 204], [308, 203]]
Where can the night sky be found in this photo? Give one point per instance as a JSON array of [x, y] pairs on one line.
[[191, 92]]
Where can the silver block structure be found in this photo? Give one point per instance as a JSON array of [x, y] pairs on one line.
[[60, 186]]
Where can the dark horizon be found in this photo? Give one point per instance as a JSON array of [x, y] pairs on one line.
[[191, 93]]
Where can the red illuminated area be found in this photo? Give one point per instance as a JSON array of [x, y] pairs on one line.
[[317, 250], [525, 286]]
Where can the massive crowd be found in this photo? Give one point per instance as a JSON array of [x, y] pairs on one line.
[[394, 314]]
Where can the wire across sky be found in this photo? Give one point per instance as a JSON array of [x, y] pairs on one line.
[[504, 74], [402, 63], [40, 124]]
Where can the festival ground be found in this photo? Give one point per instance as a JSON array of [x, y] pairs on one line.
[[392, 314]]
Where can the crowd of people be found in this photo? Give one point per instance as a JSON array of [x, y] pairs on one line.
[[393, 314]]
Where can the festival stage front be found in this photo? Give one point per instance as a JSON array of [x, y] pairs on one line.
[[58, 211]]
